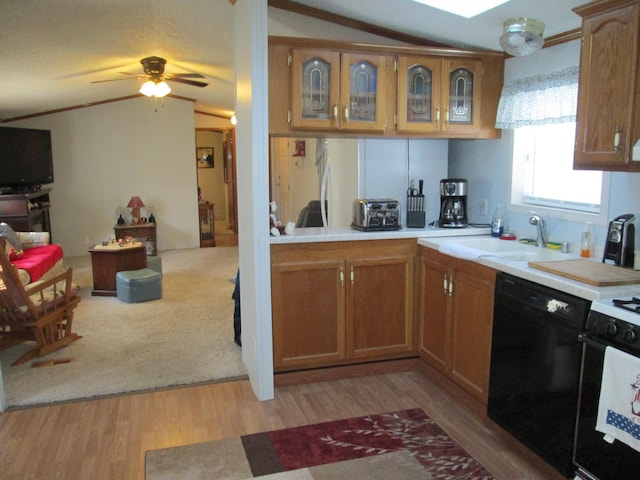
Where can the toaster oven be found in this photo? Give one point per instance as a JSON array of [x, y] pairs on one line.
[[376, 214]]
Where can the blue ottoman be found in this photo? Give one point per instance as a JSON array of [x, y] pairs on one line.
[[154, 263], [135, 286]]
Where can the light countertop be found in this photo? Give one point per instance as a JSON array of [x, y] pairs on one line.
[[320, 234], [521, 269]]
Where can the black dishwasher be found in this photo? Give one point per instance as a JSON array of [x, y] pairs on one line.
[[535, 367]]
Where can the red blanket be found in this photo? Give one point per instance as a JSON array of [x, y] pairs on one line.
[[39, 260]]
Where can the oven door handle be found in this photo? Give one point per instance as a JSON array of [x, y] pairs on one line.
[[590, 340]]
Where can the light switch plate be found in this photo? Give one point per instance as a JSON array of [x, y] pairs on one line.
[[635, 155]]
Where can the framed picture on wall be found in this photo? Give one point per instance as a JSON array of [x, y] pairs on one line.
[[204, 157]]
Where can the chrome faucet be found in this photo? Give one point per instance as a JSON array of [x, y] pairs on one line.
[[539, 222]]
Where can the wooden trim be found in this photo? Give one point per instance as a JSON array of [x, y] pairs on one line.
[[563, 37], [325, 16], [301, 42], [85, 105], [217, 115], [346, 371]]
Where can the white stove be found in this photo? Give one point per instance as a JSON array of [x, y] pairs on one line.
[[626, 309]]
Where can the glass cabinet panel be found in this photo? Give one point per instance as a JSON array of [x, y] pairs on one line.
[[419, 94], [315, 89], [461, 96], [363, 87]]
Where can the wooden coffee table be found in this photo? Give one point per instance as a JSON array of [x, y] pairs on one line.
[[108, 260]]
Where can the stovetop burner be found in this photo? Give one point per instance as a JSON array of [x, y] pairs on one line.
[[626, 309], [632, 304]]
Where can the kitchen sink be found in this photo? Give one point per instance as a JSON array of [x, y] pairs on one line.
[[507, 250]]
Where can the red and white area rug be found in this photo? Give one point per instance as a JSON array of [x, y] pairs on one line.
[[406, 444]]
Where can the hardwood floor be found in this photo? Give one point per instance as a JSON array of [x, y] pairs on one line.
[[107, 438]]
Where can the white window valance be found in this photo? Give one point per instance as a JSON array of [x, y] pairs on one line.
[[539, 100]]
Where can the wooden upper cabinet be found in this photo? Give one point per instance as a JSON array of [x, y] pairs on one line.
[[333, 91], [439, 95], [362, 87], [608, 119], [349, 90], [462, 86], [315, 88], [419, 87]]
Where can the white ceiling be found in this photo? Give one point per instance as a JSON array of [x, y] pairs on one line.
[[53, 50]]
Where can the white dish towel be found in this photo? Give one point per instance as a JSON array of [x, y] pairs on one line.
[[619, 406]]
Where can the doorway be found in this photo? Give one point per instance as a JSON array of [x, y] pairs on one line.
[[216, 176]]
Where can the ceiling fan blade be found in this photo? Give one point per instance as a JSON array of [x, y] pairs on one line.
[[188, 82], [183, 75], [115, 79]]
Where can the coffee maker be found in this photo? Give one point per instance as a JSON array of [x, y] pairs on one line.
[[453, 203], [620, 241]]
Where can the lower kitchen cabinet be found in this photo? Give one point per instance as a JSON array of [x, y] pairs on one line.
[[455, 319], [337, 303]]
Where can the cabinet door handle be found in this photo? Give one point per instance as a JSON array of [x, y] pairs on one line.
[[451, 288], [352, 276], [438, 116], [346, 113], [341, 277], [616, 138], [335, 111], [446, 116], [445, 285]]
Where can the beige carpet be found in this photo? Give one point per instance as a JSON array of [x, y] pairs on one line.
[[184, 338]]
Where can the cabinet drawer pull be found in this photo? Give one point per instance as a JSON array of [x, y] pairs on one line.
[[616, 138]]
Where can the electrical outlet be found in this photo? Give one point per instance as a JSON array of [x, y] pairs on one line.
[[484, 207], [85, 240]]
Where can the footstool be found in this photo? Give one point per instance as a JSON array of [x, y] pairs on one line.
[[135, 286]]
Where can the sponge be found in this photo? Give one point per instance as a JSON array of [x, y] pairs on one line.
[[554, 245]]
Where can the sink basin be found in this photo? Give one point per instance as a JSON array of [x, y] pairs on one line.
[[507, 250]]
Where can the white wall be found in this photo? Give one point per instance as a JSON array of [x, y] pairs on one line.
[[105, 154], [487, 163]]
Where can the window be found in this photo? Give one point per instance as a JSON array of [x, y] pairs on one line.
[[541, 111]]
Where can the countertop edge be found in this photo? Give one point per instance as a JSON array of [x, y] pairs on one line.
[[321, 234]]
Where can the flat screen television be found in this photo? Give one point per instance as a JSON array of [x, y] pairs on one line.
[[26, 161]]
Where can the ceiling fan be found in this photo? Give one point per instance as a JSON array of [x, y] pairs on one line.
[[156, 84]]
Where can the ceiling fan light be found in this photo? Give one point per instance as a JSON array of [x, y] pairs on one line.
[[153, 89], [162, 89], [522, 36], [148, 88]]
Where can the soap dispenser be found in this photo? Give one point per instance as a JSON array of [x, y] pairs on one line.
[[585, 242]]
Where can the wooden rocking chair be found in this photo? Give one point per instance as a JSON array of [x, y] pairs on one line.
[[41, 312]]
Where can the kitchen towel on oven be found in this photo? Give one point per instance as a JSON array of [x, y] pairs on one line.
[[619, 406]]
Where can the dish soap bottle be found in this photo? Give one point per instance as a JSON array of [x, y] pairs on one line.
[[497, 222], [585, 243]]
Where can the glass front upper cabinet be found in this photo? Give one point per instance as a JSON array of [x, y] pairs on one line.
[[332, 91], [315, 88], [462, 78], [438, 95], [419, 94]]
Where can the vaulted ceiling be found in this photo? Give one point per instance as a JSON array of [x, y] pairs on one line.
[[53, 51]]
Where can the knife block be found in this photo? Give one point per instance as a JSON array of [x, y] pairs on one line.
[[416, 217]]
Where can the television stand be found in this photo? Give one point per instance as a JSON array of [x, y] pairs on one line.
[[26, 212]]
